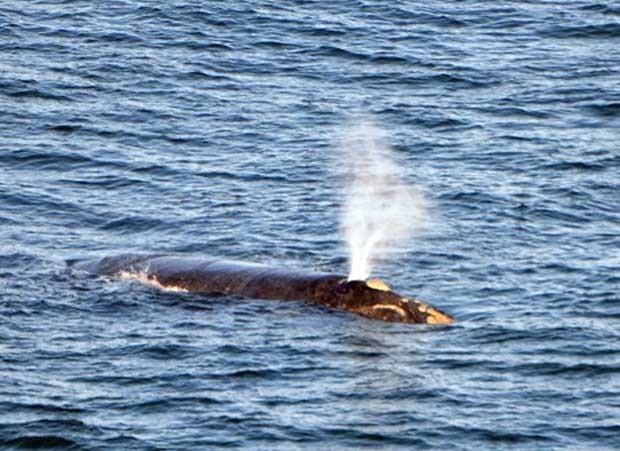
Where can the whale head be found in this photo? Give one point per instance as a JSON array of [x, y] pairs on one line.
[[374, 299]]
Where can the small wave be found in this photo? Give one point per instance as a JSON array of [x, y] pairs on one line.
[[12, 406], [273, 44], [611, 109], [453, 81], [202, 75], [167, 405], [446, 123], [201, 46], [122, 381], [389, 59], [38, 94], [153, 169], [50, 160], [116, 37], [47, 434], [509, 24], [504, 335], [558, 216], [573, 166], [19, 259], [104, 181], [133, 224], [579, 370], [64, 128], [228, 349], [251, 374], [163, 351], [601, 31], [322, 31], [244, 176], [50, 206], [602, 8], [501, 436], [337, 52], [473, 199], [357, 438], [513, 111], [40, 442], [424, 16]]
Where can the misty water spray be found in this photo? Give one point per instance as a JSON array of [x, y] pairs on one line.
[[382, 212]]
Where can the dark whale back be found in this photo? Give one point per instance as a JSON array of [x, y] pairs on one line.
[[219, 276], [372, 299], [240, 278]]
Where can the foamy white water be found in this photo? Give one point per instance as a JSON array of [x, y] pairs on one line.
[[143, 277], [382, 211]]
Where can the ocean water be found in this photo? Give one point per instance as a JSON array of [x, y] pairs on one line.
[[210, 128]]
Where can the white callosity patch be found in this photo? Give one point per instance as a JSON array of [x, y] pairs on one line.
[[382, 212]]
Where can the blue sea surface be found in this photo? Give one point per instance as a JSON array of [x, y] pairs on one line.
[[211, 128]]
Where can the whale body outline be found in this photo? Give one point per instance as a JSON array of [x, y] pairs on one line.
[[211, 276]]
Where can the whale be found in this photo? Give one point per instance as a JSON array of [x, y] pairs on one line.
[[214, 276]]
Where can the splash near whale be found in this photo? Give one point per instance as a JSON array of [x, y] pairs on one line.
[[368, 298]]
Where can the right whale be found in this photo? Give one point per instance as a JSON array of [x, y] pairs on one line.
[[369, 298]]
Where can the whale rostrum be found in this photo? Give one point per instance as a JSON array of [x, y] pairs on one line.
[[370, 298]]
